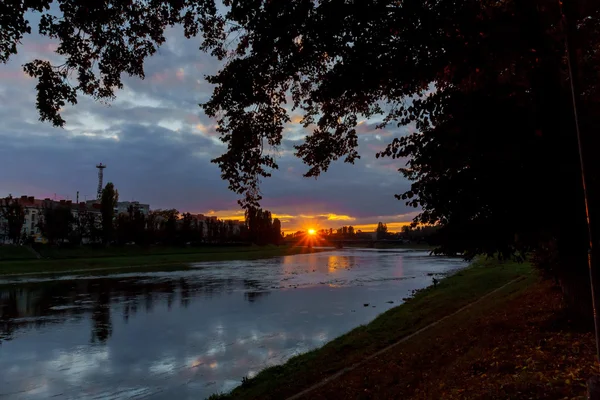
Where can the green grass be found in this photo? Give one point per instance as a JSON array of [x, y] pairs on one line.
[[152, 259], [383, 245], [10, 252], [427, 306], [56, 252]]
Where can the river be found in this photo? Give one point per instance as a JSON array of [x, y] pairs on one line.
[[188, 334]]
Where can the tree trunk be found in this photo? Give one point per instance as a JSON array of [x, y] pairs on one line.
[[577, 294], [593, 386]]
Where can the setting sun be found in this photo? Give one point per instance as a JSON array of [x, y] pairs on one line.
[[312, 232]]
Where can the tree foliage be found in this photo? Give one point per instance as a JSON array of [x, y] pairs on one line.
[[261, 228], [276, 239], [57, 223], [99, 42], [108, 203], [13, 213], [381, 231]]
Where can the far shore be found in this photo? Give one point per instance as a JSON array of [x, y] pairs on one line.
[[20, 260]]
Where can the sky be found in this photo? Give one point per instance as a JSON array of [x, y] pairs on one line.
[[157, 145]]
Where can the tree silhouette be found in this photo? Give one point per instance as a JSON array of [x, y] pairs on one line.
[[14, 214], [198, 231], [108, 203], [137, 225], [101, 318], [351, 232], [381, 231], [276, 231], [57, 222], [89, 226], [170, 226], [260, 226], [186, 228]]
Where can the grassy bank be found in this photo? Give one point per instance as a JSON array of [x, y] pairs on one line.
[[111, 259], [383, 245], [513, 344], [427, 306]]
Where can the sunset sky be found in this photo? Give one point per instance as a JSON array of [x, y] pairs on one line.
[[158, 144]]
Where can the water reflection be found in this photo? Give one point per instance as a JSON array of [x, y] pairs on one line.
[[101, 327], [189, 334], [22, 305], [339, 262], [253, 296]]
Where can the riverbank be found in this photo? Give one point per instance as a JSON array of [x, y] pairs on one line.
[[383, 245], [124, 259], [508, 343]]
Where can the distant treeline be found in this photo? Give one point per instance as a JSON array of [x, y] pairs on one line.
[[408, 233]]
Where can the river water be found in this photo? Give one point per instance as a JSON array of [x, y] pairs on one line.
[[188, 334]]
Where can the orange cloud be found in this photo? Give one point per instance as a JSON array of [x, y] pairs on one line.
[[392, 226], [337, 217], [292, 223], [201, 127]]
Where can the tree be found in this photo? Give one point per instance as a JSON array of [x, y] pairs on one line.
[[163, 225], [186, 228], [108, 203], [131, 226], [171, 218], [381, 231], [137, 225], [122, 229], [198, 231], [484, 85], [57, 222], [89, 226], [260, 226], [13, 213], [276, 231], [344, 231], [153, 226]]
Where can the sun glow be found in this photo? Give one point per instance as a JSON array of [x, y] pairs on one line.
[[312, 232]]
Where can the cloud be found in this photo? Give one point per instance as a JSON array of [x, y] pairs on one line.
[[158, 144]]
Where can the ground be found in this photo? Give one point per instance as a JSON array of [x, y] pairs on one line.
[[521, 350], [16, 260], [513, 344]]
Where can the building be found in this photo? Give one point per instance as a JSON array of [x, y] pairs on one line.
[[34, 214], [123, 207], [236, 225]]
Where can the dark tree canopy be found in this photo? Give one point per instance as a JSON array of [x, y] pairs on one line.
[[13, 213], [99, 41], [57, 222], [381, 231], [334, 61], [108, 203]]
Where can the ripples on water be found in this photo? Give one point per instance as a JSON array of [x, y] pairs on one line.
[[188, 334]]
